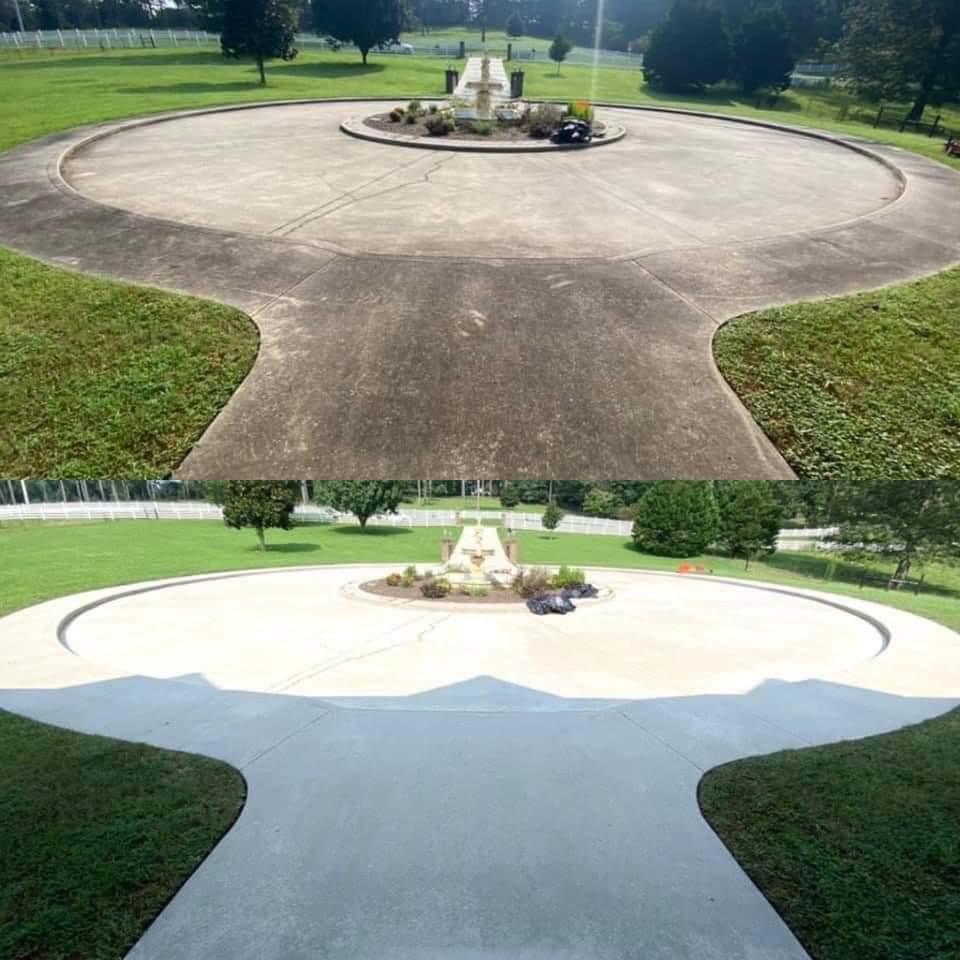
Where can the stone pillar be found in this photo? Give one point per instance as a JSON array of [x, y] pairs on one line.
[[446, 550]]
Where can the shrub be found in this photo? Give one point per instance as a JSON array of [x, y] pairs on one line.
[[394, 580], [415, 107], [483, 128], [409, 117], [534, 582], [568, 577], [542, 120], [676, 518], [509, 497], [439, 124], [397, 114], [433, 108], [600, 503], [551, 517], [580, 110], [436, 588], [479, 591], [689, 50], [411, 572]]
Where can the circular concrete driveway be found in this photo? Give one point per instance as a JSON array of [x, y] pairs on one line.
[[522, 315], [310, 633], [673, 182], [417, 809]]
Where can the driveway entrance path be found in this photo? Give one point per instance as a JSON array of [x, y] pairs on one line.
[[427, 781], [499, 315]]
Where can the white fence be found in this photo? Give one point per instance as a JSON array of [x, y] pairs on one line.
[[789, 540], [107, 39]]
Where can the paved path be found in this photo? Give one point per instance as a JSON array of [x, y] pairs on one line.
[[398, 336], [427, 782]]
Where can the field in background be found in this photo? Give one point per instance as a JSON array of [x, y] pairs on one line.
[[124, 83]]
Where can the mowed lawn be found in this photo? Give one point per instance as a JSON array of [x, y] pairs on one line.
[[855, 844], [859, 387], [102, 379], [845, 388]]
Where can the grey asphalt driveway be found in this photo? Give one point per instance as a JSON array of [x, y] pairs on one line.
[[521, 315], [403, 807]]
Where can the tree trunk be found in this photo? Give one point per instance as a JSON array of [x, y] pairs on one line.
[[363, 53], [263, 543], [930, 78], [903, 568], [363, 518], [263, 76]]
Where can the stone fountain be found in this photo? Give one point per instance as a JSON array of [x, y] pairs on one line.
[[482, 88], [478, 559]]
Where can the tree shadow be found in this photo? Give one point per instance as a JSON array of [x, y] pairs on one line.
[[371, 531], [292, 547], [98, 60], [238, 86]]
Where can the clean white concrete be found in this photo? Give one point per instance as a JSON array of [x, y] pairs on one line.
[[470, 784]]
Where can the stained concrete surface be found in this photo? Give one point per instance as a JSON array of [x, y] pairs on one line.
[[514, 315]]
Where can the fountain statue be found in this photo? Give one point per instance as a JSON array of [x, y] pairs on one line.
[[483, 85]]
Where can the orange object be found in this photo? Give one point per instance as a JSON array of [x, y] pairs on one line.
[[683, 568]]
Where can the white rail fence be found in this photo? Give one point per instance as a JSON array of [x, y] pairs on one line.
[[789, 540]]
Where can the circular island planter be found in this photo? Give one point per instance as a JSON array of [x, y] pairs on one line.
[[359, 128]]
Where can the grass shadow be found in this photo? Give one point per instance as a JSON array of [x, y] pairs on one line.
[[238, 86], [293, 547], [372, 531]]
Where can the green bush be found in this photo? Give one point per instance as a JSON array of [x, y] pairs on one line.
[[483, 128], [397, 114], [394, 580], [580, 110], [436, 588], [415, 107], [509, 497], [676, 518], [551, 517], [534, 582], [439, 124], [409, 117], [600, 503], [568, 577]]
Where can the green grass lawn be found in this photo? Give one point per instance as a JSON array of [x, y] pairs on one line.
[[903, 355], [855, 844], [863, 386], [97, 836], [105, 379]]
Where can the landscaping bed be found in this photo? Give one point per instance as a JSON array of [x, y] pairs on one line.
[[484, 595]]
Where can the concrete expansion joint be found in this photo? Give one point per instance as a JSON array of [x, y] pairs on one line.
[[284, 739], [626, 716]]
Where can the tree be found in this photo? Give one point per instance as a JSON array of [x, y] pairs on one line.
[[904, 48], [551, 517], [260, 504], [514, 25], [362, 498], [676, 518], [690, 49], [763, 52], [509, 496], [365, 23], [911, 520], [262, 29], [750, 518], [560, 46], [601, 503]]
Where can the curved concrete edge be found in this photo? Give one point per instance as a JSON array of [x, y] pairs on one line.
[[925, 254], [355, 127], [922, 659], [903, 635]]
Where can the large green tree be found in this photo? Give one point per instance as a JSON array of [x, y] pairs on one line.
[[362, 498], [262, 29], [750, 518], [904, 48], [364, 23], [690, 49], [676, 518], [601, 503], [261, 504], [763, 52], [910, 520]]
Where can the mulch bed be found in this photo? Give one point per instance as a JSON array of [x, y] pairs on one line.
[[501, 134], [494, 595]]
